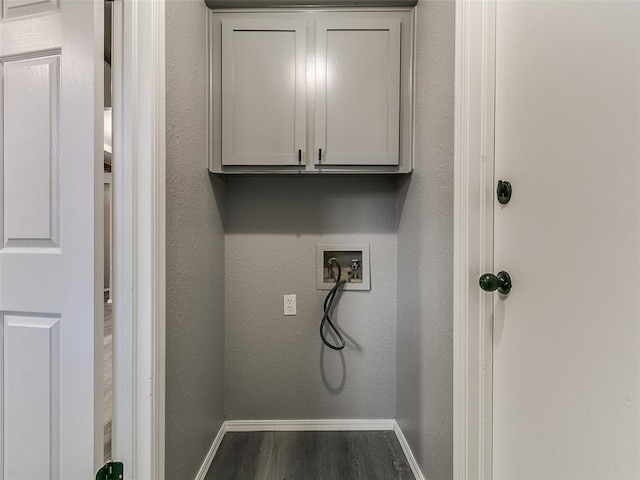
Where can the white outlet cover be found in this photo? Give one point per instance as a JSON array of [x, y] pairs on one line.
[[289, 305], [346, 247]]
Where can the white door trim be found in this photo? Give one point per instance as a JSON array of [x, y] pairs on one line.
[[139, 237], [473, 237], [108, 181]]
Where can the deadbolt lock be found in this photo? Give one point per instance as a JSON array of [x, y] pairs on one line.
[[504, 192]]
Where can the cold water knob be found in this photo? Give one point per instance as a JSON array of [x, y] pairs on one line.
[[501, 282]]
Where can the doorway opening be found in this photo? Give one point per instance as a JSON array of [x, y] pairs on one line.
[[108, 238]]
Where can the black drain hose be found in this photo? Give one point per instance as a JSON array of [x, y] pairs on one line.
[[328, 304]]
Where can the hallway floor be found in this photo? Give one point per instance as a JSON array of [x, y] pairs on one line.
[[310, 456], [108, 378]]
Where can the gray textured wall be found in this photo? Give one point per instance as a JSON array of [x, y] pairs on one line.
[[277, 366], [425, 253], [195, 253]]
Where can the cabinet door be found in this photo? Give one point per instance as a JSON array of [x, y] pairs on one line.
[[263, 92], [357, 92]]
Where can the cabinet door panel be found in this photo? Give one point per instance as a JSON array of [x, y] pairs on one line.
[[263, 91], [358, 92]]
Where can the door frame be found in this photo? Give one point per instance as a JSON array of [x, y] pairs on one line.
[[139, 244], [473, 238]]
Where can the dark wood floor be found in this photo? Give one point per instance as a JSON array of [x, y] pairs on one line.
[[108, 378], [310, 456]]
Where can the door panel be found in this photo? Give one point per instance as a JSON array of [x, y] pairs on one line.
[[263, 92], [51, 230], [357, 92], [567, 338], [31, 351], [21, 8], [31, 105]]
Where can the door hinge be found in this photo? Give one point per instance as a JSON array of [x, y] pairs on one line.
[[111, 471]]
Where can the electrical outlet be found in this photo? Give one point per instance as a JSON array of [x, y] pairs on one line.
[[290, 304]]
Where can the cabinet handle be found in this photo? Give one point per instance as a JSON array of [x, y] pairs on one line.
[[299, 156], [319, 155]]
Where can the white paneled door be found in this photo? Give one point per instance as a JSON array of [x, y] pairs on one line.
[[51, 239], [566, 369]]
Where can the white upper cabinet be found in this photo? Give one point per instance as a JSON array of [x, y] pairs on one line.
[[357, 108], [263, 92], [311, 91]]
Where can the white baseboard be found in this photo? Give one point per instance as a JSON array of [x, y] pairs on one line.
[[407, 452], [202, 473], [308, 426]]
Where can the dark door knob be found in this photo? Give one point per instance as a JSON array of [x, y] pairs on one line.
[[503, 192], [501, 282]]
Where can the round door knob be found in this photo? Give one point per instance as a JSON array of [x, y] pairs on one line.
[[503, 192], [501, 282]]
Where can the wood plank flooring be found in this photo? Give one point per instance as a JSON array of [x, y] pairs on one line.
[[108, 378], [310, 456]]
